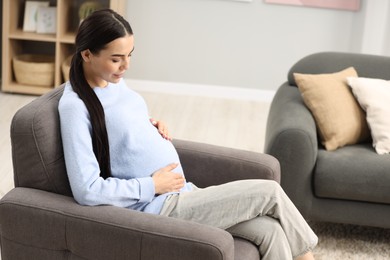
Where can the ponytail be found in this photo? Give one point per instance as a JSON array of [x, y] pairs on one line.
[[96, 113]]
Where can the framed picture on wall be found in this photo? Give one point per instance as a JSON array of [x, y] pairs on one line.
[[30, 15], [351, 5]]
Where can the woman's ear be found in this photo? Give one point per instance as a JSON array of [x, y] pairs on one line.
[[86, 55]]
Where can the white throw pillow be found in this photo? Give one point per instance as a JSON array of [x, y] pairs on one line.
[[374, 97]]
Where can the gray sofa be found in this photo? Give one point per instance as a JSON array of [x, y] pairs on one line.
[[39, 219], [350, 185]]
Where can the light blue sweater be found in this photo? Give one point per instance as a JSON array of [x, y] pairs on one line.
[[137, 150]]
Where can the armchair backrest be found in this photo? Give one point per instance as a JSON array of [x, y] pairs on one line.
[[366, 65], [37, 153]]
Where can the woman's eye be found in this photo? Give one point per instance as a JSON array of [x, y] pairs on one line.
[[115, 61]]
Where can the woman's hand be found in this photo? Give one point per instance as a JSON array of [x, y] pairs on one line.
[[167, 181], [162, 128]]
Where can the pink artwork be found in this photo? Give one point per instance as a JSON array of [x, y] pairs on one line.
[[352, 5]]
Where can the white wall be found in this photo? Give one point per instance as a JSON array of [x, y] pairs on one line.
[[375, 20], [229, 43]]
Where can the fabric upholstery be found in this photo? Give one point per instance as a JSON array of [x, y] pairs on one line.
[[55, 227], [37, 146], [348, 185], [39, 219], [226, 163], [368, 66], [343, 174]]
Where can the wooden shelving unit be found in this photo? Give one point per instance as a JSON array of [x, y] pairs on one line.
[[61, 44]]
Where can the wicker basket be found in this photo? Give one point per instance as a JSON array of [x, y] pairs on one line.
[[65, 67], [32, 69]]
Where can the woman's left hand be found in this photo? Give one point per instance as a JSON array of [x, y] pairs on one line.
[[162, 128]]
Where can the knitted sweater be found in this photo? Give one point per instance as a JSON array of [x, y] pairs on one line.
[[137, 150]]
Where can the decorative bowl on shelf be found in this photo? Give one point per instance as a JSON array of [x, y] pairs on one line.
[[34, 69]]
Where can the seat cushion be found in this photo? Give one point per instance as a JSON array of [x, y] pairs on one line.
[[353, 172]]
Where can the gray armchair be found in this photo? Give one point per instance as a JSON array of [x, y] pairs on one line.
[[350, 185], [39, 219]]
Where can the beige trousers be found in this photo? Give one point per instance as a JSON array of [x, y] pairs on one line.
[[256, 210]]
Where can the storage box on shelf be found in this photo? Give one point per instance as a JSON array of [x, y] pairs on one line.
[[59, 45], [34, 69]]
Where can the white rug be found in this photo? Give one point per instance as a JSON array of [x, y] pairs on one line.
[[349, 242]]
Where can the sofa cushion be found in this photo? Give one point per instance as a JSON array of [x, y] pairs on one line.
[[339, 118], [374, 96], [353, 172]]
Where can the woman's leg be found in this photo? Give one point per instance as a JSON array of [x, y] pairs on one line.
[[267, 234], [307, 256], [226, 205]]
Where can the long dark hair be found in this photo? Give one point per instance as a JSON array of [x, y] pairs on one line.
[[94, 33]]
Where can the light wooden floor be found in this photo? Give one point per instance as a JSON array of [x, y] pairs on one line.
[[225, 122]]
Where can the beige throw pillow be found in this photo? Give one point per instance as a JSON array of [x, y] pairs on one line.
[[374, 97], [340, 119]]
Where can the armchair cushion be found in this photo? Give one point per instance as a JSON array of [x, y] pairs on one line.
[[339, 118], [37, 146]]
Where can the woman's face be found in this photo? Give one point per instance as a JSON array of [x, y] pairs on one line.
[[109, 64]]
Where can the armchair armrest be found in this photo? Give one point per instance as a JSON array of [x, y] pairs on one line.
[[291, 137], [207, 165], [43, 225]]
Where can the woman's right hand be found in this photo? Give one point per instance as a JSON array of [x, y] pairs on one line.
[[167, 181]]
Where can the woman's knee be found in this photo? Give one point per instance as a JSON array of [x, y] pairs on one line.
[[272, 231], [262, 230]]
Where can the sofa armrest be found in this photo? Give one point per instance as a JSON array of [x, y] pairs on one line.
[[45, 225], [291, 137], [207, 165]]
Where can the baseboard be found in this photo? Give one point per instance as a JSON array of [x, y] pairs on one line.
[[201, 90]]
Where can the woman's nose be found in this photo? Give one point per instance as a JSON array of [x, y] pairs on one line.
[[125, 64]]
